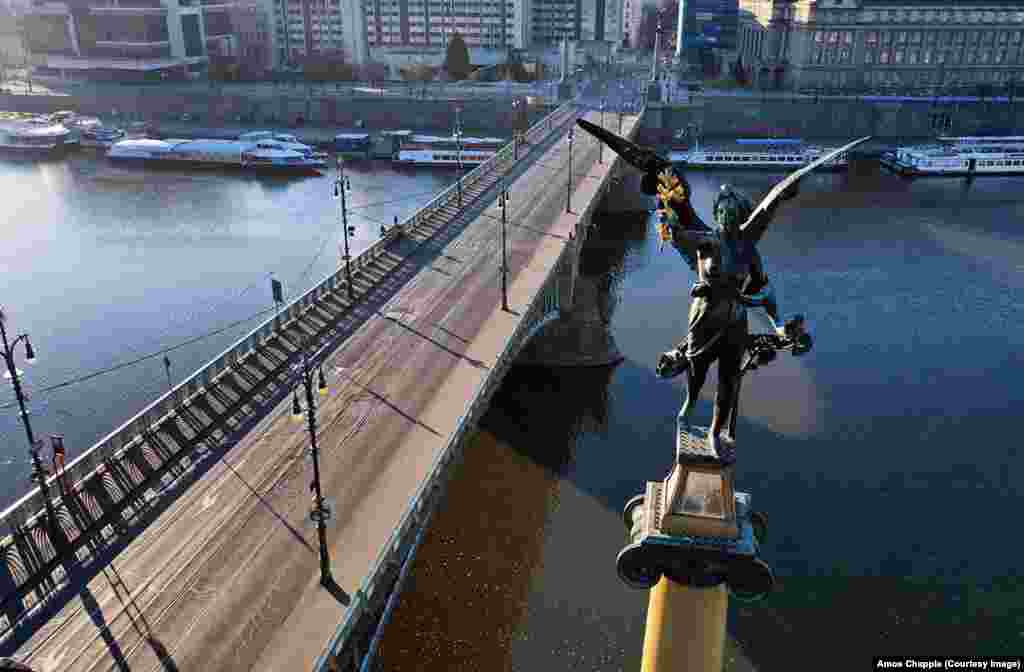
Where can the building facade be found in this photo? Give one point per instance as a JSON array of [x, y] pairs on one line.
[[429, 24], [126, 39], [250, 24], [856, 44], [305, 28]]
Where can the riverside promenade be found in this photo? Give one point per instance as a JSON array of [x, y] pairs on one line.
[[217, 569]]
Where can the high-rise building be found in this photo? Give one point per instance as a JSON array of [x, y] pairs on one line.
[[576, 20], [401, 24], [126, 39], [316, 27]]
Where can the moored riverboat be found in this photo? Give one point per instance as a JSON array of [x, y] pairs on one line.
[[429, 150], [958, 156], [35, 137], [353, 145], [259, 156], [758, 153]]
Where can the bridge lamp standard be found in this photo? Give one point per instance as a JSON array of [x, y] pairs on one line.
[[39, 472], [341, 185], [503, 199], [516, 105], [568, 186], [458, 139], [320, 513]]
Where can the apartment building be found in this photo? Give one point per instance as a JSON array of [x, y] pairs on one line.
[[126, 39], [316, 27]]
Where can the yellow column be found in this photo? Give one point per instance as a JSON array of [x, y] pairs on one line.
[[685, 628]]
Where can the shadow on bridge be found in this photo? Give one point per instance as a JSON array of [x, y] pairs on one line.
[[409, 256]]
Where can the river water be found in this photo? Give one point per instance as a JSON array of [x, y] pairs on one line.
[[886, 459], [103, 265]]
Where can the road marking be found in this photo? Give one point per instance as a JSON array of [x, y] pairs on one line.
[[207, 502], [52, 662]]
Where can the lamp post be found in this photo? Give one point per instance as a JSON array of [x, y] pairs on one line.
[[320, 512], [503, 204], [341, 185], [458, 159], [600, 145], [39, 472], [568, 185], [515, 129]]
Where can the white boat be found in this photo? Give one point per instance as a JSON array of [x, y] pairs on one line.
[[960, 155], [431, 150], [92, 133], [761, 153], [282, 141], [258, 156], [35, 137]]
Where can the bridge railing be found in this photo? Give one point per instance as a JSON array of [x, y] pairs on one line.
[[543, 309], [540, 311], [29, 507]]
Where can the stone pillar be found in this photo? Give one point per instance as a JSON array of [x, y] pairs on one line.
[[580, 337]]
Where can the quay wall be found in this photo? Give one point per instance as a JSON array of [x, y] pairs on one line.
[[730, 117], [213, 108]]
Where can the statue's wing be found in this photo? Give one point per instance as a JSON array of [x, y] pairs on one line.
[[643, 158], [757, 223]]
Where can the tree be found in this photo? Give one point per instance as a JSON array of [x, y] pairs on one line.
[[456, 60]]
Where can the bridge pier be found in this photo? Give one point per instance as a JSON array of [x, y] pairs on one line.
[[580, 335]]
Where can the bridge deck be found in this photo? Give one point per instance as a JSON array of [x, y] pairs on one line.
[[227, 577]]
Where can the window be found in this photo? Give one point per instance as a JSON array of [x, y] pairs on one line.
[[898, 56], [871, 37], [915, 37], [848, 37], [972, 38], [912, 57], [886, 37], [868, 57], [988, 37], [929, 37], [926, 57], [883, 57], [983, 55]]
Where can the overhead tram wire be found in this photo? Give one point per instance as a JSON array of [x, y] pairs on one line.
[[138, 360], [195, 339]]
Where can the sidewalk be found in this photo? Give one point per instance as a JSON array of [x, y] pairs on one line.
[[300, 640]]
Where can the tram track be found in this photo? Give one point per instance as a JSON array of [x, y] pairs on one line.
[[198, 551]]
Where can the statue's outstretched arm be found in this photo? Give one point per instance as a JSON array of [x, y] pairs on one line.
[[687, 237], [759, 293]]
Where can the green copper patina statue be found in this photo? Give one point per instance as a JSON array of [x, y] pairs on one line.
[[730, 274]]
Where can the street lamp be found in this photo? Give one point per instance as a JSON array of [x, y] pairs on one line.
[[458, 140], [503, 204], [600, 145], [515, 129], [341, 185], [320, 512], [39, 472], [568, 186]]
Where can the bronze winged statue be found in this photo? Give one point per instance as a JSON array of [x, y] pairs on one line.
[[730, 273]]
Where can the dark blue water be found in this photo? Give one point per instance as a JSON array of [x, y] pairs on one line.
[[887, 459], [103, 265]]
